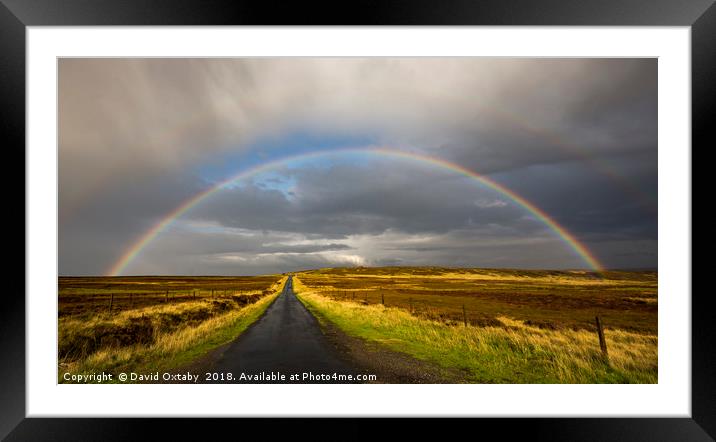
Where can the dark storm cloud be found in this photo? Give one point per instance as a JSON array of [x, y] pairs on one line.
[[595, 205], [577, 137], [364, 199], [561, 110]]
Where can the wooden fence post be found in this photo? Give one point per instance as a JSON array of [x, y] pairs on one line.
[[166, 296], [464, 315], [366, 297], [131, 300], [111, 301], [382, 298], [602, 340]]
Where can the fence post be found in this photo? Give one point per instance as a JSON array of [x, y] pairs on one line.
[[464, 315], [366, 297], [194, 294], [602, 341], [382, 298], [111, 301], [166, 296], [131, 300]]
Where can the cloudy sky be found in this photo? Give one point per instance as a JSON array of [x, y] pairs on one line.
[[577, 138]]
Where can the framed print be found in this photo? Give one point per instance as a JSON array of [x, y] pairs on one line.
[[226, 218]]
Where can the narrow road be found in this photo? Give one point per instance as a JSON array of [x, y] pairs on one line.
[[287, 340]]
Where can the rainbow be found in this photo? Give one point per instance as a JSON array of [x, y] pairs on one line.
[[550, 136], [137, 247]]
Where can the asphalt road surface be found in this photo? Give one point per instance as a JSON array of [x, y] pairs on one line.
[[288, 340]]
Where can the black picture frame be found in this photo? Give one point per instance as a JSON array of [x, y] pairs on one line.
[[16, 15]]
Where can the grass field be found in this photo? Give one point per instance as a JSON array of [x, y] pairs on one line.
[[545, 299], [522, 326], [495, 326], [165, 323], [86, 297]]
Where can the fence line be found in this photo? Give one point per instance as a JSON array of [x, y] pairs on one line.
[[433, 313]]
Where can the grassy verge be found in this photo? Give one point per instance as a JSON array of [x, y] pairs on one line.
[[510, 353], [179, 334]]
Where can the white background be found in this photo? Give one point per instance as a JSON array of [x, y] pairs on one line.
[[670, 397]]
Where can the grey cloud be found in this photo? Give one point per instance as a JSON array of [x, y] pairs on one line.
[[352, 199], [303, 249], [140, 116], [577, 137]]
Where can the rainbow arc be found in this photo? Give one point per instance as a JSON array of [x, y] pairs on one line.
[[147, 237]]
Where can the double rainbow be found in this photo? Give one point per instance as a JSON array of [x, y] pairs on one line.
[[136, 248]]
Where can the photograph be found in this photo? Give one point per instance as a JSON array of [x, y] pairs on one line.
[[352, 220], [475, 213]]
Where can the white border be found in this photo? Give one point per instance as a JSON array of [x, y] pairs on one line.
[[670, 397]]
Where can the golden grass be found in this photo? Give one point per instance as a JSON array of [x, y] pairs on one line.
[[511, 353], [170, 347], [579, 277]]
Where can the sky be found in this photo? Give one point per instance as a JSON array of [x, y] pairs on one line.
[[138, 138]]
